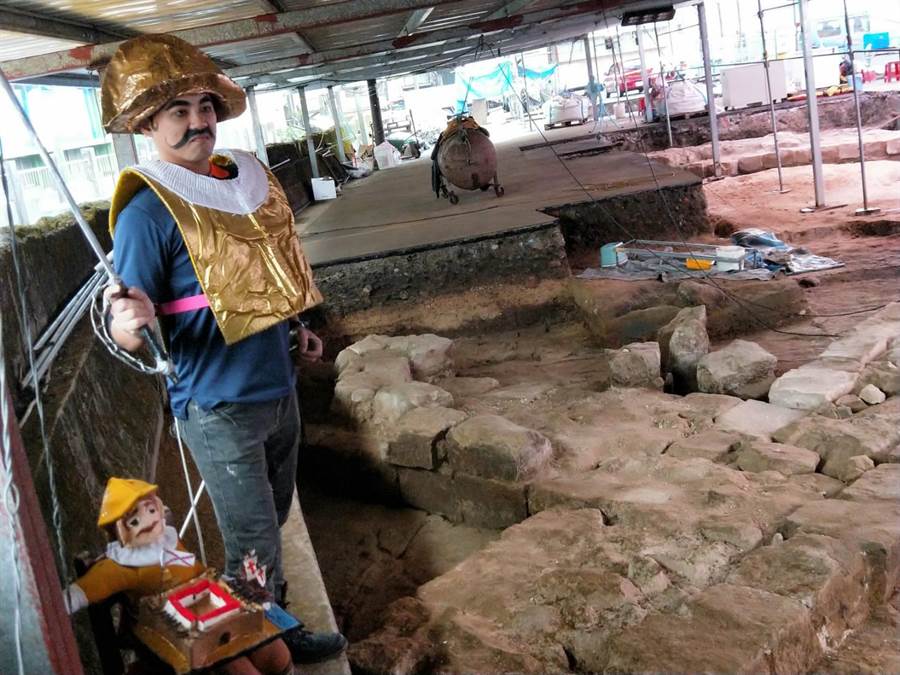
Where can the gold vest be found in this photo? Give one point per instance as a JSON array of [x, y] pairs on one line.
[[251, 267]]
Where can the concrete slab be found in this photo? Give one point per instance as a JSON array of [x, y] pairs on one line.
[[396, 210]]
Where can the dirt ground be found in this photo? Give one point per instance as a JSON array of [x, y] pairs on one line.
[[868, 245]]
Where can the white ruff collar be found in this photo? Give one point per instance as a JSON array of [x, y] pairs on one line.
[[162, 552], [240, 195]]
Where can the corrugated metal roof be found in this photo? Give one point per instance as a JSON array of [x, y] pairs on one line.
[[269, 41]]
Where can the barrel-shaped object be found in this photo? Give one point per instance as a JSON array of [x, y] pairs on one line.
[[468, 159]]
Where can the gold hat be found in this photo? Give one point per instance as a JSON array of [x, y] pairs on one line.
[[149, 70], [120, 497]]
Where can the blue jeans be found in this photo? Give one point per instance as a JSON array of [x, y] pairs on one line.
[[247, 454]]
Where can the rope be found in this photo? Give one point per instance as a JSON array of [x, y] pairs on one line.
[[190, 491]]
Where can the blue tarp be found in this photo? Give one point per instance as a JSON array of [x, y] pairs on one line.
[[496, 83]]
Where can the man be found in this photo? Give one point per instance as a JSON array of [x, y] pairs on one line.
[[208, 243]]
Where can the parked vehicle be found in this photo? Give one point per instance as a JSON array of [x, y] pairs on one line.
[[621, 81]]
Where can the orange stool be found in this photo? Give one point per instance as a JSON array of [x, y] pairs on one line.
[[892, 71]]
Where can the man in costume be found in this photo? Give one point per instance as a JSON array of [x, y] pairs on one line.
[[145, 557], [207, 243]]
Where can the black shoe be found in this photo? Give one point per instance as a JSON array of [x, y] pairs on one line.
[[308, 647]]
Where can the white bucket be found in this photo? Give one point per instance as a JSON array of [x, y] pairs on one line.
[[730, 258]]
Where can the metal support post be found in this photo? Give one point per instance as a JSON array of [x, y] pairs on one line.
[[812, 105], [645, 78], [37, 633], [338, 133], [527, 101], [865, 210], [377, 124], [310, 145], [710, 96], [665, 91], [765, 55], [360, 119], [257, 127], [592, 86], [125, 150]]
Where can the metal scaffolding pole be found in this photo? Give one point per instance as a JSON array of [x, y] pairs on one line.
[[310, 145], [865, 210], [125, 150], [648, 103], [665, 91], [812, 105], [257, 128], [595, 112], [338, 134], [377, 124], [765, 53], [525, 87], [710, 96]]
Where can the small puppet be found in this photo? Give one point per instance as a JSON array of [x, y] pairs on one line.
[[146, 557]]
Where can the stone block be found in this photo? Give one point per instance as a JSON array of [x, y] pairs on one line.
[[741, 369], [851, 401], [872, 395], [751, 164], [848, 151], [892, 147], [838, 440], [416, 434], [392, 401], [851, 468], [490, 446], [709, 405], [861, 347], [490, 503], [723, 629], [428, 354], [465, 387], [638, 325], [821, 573], [682, 343], [636, 365], [809, 388], [430, 491], [758, 419], [884, 375], [712, 444], [882, 482], [757, 456], [873, 527]]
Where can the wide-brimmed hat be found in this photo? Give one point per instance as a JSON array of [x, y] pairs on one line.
[[120, 497], [148, 71]]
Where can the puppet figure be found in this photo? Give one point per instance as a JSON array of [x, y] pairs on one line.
[[146, 561]]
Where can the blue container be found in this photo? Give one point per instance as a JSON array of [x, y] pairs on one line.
[[610, 256]]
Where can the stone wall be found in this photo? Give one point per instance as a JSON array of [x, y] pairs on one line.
[[101, 418], [879, 109], [642, 215]]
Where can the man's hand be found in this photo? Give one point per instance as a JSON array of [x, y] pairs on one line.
[[309, 345], [130, 313]]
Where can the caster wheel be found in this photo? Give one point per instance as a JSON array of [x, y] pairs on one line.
[[499, 191], [454, 199]]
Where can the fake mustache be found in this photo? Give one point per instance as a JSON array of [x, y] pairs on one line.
[[192, 133]]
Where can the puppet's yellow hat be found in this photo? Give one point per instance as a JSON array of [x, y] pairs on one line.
[[120, 497]]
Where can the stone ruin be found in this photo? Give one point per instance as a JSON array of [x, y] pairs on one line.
[[641, 530]]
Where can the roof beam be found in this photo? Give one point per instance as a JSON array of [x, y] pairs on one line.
[[62, 28], [90, 56], [507, 10], [524, 39], [586, 13], [415, 20]]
